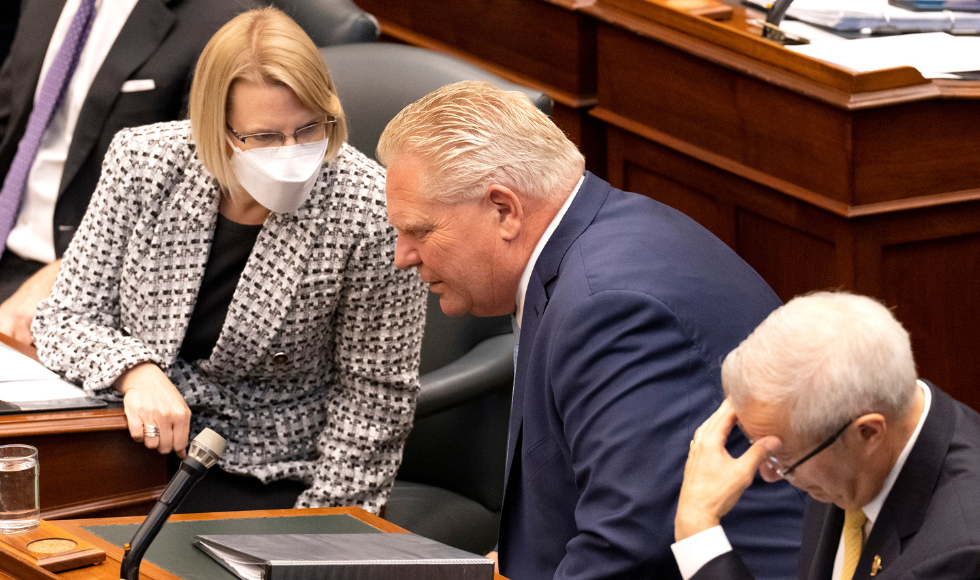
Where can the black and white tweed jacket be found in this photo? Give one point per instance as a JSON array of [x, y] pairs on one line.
[[315, 373]]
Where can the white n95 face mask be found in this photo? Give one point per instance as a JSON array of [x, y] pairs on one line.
[[279, 178]]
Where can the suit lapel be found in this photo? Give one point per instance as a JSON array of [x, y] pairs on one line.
[[535, 301], [905, 507], [176, 257], [37, 24], [883, 543], [824, 537], [145, 29], [580, 214], [267, 289]]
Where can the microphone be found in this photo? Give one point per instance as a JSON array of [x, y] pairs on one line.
[[771, 30], [777, 11], [204, 451]]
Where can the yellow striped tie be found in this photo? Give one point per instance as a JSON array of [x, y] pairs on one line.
[[853, 540]]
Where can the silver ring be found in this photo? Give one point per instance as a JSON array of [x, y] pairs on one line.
[[151, 431]]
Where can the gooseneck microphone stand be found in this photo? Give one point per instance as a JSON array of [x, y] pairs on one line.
[[204, 451]]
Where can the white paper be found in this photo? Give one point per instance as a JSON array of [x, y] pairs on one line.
[[20, 367], [42, 390], [244, 568], [880, 16], [811, 33], [24, 379], [933, 54]]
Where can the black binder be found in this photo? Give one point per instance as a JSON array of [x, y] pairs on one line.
[[343, 557]]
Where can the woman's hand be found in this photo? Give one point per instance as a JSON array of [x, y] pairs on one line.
[[151, 400]]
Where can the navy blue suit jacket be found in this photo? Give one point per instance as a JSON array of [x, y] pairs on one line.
[[630, 310], [928, 527]]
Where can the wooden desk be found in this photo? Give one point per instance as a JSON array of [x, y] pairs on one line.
[[89, 465], [110, 569], [818, 177]]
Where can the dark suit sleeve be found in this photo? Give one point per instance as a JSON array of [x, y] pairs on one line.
[[962, 563], [631, 385], [728, 566]]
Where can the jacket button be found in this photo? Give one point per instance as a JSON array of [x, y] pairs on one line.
[[279, 358]]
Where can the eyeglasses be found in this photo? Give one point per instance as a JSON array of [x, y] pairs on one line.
[[787, 472], [306, 134]]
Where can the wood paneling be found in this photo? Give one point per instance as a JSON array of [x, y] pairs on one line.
[[791, 261], [89, 465], [772, 130], [544, 42], [701, 206], [769, 231], [547, 46], [89, 472], [937, 300], [819, 177], [915, 149]]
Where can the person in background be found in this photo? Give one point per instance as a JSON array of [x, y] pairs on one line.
[[235, 271], [9, 13], [78, 72], [827, 389], [622, 308]]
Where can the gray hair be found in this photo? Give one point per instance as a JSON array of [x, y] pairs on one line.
[[471, 134], [829, 357]]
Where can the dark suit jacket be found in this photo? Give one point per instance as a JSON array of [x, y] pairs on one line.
[[628, 314], [929, 526], [161, 40]]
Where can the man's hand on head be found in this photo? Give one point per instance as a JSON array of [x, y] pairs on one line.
[[713, 479], [17, 312]]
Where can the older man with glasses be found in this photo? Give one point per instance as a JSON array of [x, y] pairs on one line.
[[826, 389]]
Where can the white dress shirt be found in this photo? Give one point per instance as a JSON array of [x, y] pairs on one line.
[[526, 276], [694, 552], [33, 236]]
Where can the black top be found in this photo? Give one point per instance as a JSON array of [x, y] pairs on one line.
[[230, 249]]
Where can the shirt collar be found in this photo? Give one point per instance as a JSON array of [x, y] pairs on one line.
[[874, 508], [526, 276]]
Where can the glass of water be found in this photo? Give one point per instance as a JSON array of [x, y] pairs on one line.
[[20, 508]]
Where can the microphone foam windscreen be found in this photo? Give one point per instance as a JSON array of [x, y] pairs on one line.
[[211, 440]]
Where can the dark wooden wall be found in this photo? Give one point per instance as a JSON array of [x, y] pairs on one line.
[[818, 177]]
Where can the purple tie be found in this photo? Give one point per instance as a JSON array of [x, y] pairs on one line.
[[52, 92]]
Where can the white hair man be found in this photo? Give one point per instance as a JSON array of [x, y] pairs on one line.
[[826, 388], [624, 308]]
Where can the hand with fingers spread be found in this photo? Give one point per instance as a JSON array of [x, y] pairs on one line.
[[713, 479], [157, 414]]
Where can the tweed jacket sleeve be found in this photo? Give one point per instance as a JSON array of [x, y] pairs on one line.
[[378, 331], [77, 329], [315, 372]]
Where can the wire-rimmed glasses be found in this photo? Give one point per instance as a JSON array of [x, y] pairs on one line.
[[306, 134], [787, 472]]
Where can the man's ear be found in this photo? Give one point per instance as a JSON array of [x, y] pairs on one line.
[[871, 428], [507, 211]]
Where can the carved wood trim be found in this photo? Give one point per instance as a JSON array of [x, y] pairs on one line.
[[62, 422], [811, 197], [82, 509]]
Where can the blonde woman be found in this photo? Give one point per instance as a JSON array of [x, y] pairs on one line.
[[236, 272]]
